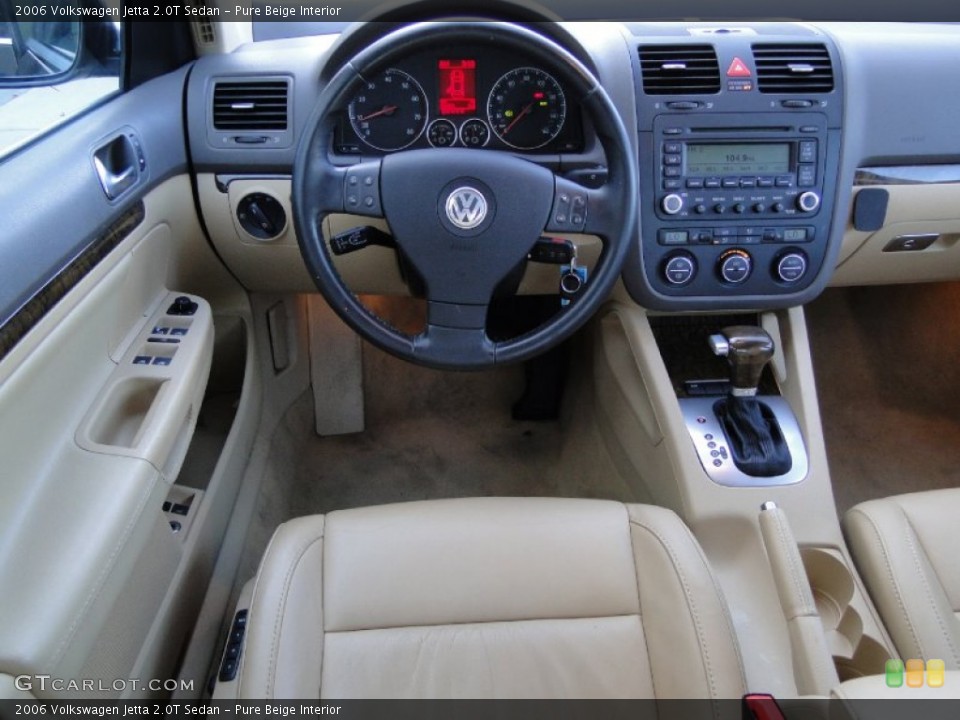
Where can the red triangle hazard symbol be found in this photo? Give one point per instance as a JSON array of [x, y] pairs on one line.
[[738, 69]]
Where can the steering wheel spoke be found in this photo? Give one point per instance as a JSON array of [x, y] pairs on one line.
[[456, 330]]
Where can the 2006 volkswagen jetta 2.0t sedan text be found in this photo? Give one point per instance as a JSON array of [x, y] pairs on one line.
[[473, 352]]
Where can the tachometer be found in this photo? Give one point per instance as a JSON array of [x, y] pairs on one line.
[[390, 112], [526, 108]]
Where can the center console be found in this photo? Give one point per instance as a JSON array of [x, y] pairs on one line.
[[739, 136]]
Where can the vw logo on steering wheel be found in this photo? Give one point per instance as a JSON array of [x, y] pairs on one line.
[[466, 208]]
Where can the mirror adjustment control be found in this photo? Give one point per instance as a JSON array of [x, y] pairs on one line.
[[808, 201], [679, 269], [672, 204], [735, 266], [790, 267]]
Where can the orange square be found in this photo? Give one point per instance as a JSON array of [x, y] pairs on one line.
[[935, 673], [914, 673]]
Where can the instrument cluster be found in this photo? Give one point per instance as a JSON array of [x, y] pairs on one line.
[[461, 97]]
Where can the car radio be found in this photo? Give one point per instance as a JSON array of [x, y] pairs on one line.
[[738, 202]]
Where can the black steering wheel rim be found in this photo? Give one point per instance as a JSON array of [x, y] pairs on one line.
[[318, 190]]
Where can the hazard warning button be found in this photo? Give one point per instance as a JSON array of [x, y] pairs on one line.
[[738, 69]]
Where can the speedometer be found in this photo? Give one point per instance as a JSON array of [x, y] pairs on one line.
[[526, 108], [390, 112]]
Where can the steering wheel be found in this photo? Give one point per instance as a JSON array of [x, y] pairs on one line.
[[464, 218]]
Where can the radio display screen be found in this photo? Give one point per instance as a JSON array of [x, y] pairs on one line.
[[737, 158]]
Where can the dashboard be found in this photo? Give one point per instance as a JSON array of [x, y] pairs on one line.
[[461, 96], [752, 141]]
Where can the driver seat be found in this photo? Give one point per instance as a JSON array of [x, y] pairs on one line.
[[489, 598]]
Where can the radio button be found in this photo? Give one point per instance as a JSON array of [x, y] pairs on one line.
[[679, 269], [672, 204], [759, 208], [711, 183], [735, 266], [695, 183], [748, 182], [671, 159], [730, 182], [671, 148], [671, 184], [671, 172], [807, 176], [791, 267], [765, 182], [784, 181], [808, 151]]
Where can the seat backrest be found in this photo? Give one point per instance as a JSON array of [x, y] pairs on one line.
[[489, 598]]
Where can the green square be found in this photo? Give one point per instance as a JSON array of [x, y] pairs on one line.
[[894, 672]]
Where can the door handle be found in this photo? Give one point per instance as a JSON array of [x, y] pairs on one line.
[[116, 166]]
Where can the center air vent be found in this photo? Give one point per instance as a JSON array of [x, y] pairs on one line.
[[250, 105], [679, 69], [793, 68]]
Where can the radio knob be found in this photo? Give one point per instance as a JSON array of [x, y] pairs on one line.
[[719, 208], [808, 201], [759, 208], [777, 207], [735, 266], [679, 269], [790, 267], [739, 208], [700, 209], [672, 204]]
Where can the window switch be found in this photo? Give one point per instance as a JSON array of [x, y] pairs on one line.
[[142, 360], [162, 361], [177, 331], [160, 330]]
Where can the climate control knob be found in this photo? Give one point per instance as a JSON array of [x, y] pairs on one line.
[[672, 204], [679, 269], [735, 266], [790, 267], [808, 201]]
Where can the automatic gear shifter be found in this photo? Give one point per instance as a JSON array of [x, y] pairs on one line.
[[753, 433]]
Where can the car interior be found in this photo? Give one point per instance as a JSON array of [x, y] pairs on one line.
[[471, 352]]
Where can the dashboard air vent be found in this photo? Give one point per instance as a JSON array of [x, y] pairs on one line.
[[793, 68], [679, 69], [250, 105]]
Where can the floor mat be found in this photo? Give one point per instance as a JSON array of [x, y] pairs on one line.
[[889, 388], [431, 434]]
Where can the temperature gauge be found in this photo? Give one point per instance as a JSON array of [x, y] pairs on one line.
[[442, 133]]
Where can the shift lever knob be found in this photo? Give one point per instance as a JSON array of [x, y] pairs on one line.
[[748, 349]]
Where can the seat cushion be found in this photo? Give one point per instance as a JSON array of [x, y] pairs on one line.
[[488, 598], [905, 549]]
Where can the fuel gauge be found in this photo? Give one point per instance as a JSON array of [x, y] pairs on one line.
[[474, 133]]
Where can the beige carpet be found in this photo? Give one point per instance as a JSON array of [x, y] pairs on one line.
[[431, 434], [888, 379]]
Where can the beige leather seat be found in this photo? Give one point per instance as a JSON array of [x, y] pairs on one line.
[[489, 598], [906, 548]]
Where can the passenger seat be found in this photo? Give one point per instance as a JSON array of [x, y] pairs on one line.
[[907, 549]]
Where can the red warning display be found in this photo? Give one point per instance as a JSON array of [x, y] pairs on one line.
[[738, 69], [458, 86]]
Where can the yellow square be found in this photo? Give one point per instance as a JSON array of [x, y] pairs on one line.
[[914, 673], [935, 673]]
